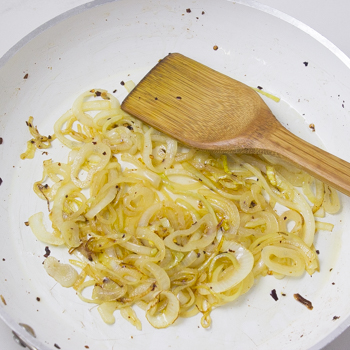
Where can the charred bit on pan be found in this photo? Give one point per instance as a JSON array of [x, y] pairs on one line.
[[274, 294], [303, 301], [47, 252]]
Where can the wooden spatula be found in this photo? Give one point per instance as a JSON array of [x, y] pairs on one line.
[[207, 110]]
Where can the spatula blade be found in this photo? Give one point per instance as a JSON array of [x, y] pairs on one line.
[[192, 102]]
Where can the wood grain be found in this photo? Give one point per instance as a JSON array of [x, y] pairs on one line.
[[207, 110]]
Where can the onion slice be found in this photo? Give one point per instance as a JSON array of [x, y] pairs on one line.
[[129, 314], [296, 268], [207, 235], [106, 311], [64, 274], [245, 260], [40, 232], [169, 307]]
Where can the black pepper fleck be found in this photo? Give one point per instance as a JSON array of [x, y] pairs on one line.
[[122, 83], [26, 76], [56, 346], [335, 318], [259, 87], [0, 181], [188, 10], [37, 299], [306, 64], [1, 140]]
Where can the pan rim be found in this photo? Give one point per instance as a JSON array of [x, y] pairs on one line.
[[82, 8]]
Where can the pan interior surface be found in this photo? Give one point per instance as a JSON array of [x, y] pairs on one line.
[[119, 41]]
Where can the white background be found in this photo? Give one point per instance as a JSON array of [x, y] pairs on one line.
[[329, 17]]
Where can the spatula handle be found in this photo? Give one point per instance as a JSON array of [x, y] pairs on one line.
[[322, 165]]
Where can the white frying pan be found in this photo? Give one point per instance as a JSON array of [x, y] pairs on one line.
[[103, 44]]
